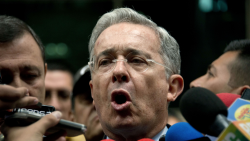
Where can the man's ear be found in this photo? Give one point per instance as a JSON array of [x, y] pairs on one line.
[[45, 69], [176, 85], [240, 89], [91, 88]]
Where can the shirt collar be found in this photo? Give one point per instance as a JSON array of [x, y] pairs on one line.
[[158, 136], [163, 132]]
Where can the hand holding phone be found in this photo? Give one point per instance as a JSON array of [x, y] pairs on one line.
[[34, 131], [25, 117]]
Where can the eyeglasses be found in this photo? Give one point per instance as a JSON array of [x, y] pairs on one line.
[[107, 63]]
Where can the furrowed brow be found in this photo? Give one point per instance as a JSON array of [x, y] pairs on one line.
[[105, 53], [31, 68], [137, 52], [127, 50]]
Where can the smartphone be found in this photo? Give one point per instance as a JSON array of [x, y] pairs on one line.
[[35, 109], [246, 94], [26, 118]]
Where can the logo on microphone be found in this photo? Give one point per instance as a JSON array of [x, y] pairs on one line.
[[243, 113]]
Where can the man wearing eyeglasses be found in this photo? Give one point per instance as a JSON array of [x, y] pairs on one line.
[[135, 72], [135, 68]]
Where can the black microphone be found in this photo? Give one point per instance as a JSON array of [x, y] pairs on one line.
[[246, 94], [204, 111]]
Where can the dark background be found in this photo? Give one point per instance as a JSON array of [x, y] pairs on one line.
[[65, 26]]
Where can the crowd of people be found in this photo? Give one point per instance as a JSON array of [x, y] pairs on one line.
[[124, 91]]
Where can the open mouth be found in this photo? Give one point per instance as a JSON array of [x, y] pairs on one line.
[[120, 99]]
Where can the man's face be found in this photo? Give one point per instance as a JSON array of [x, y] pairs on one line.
[[85, 113], [128, 101], [21, 65], [59, 86], [217, 77]]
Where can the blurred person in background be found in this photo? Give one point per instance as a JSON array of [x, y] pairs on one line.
[[23, 70], [59, 85], [230, 72], [82, 105]]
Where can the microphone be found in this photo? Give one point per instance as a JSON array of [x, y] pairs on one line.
[[238, 113], [239, 109], [237, 106], [204, 111], [228, 98], [246, 94], [183, 131], [199, 104]]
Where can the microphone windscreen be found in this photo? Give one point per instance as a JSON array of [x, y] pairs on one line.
[[200, 106], [228, 98], [182, 131]]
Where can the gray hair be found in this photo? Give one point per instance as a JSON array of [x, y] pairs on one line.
[[169, 47]]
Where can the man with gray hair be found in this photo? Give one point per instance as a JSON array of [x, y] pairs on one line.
[[135, 68], [135, 73]]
